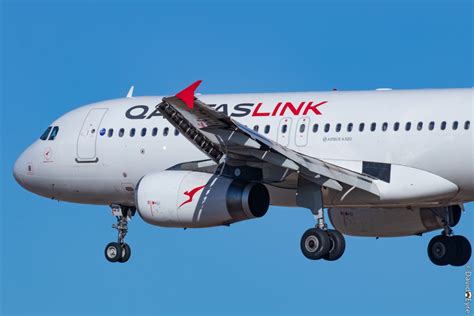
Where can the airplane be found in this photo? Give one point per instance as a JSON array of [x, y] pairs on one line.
[[382, 163]]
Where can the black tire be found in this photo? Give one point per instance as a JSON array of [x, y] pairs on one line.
[[337, 245], [126, 252], [462, 252], [315, 243], [441, 250], [113, 252]]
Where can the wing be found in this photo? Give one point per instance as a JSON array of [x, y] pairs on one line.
[[225, 140]]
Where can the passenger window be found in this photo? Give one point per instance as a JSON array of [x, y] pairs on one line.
[[443, 126], [408, 126], [396, 126], [361, 127], [54, 133], [132, 132], [45, 134], [384, 126], [154, 131], [176, 132], [315, 128], [338, 127], [349, 127], [327, 127], [373, 126], [467, 124], [110, 133], [455, 127], [165, 131], [302, 128], [431, 126], [143, 133], [284, 127], [419, 126], [255, 128], [267, 129], [121, 132]]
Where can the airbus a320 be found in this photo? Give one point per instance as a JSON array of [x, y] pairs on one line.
[[382, 163]]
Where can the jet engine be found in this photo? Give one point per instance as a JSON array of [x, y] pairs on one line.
[[391, 222], [196, 199]]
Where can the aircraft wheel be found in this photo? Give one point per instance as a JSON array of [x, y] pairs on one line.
[[462, 252], [441, 250], [113, 252], [337, 245], [315, 243], [126, 252]]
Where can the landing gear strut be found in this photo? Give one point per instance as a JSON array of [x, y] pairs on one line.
[[319, 242], [447, 248], [120, 251]]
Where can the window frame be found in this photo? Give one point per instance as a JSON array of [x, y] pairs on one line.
[[396, 126], [373, 126], [327, 127], [54, 133], [46, 133], [350, 126]]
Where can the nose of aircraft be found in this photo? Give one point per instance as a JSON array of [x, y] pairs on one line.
[[20, 168], [34, 170]]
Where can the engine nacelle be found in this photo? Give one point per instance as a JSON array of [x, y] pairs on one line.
[[197, 199], [389, 222]]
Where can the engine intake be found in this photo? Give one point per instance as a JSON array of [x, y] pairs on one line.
[[195, 199]]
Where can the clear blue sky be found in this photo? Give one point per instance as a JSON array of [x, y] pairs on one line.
[[59, 56]]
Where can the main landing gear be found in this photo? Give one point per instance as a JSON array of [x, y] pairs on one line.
[[120, 251], [448, 248], [319, 242], [322, 243]]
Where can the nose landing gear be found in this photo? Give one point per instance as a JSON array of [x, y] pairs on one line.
[[120, 251]]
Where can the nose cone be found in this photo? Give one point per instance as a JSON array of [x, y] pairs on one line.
[[19, 169]]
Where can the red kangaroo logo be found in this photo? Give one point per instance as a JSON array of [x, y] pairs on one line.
[[191, 194]]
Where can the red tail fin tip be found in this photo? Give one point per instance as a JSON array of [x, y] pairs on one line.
[[187, 95]]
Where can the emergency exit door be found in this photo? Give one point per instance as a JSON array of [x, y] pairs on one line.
[[284, 131], [301, 133]]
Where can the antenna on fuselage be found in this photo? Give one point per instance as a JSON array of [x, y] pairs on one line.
[[130, 92]]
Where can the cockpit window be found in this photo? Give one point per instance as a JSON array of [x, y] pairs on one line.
[[44, 136], [54, 133]]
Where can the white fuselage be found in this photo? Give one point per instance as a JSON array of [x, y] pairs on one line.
[[86, 164]]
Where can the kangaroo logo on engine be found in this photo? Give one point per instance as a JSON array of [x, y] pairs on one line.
[[190, 194]]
